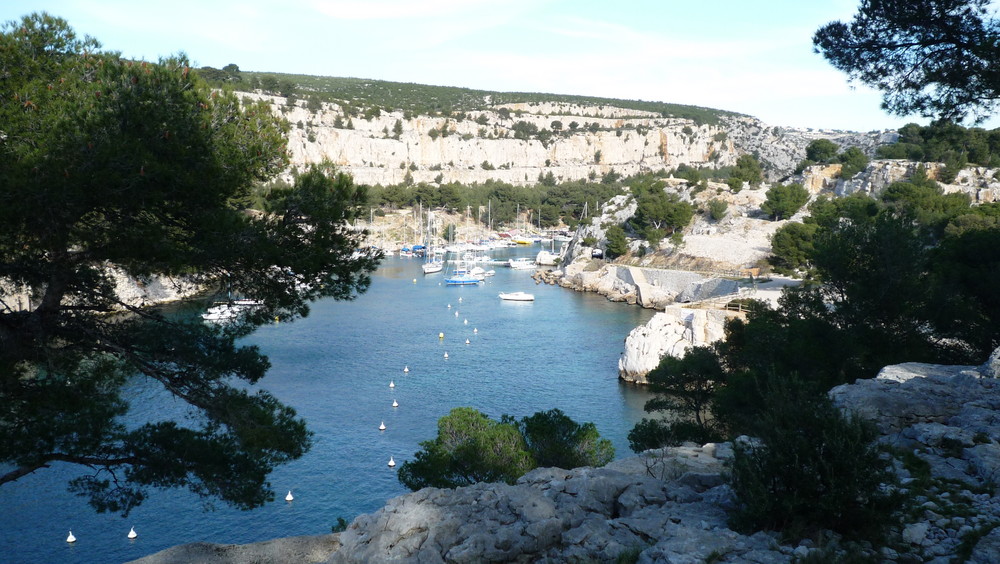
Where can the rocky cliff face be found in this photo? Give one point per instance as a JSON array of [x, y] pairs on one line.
[[132, 291], [981, 184], [671, 505], [586, 141]]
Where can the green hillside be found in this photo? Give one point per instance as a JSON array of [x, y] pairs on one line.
[[365, 94]]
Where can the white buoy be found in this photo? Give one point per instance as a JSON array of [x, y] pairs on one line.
[[381, 427], [131, 533], [440, 335], [392, 384], [414, 280], [446, 355], [474, 330], [394, 404], [391, 462], [467, 341], [71, 538], [466, 322], [449, 306], [289, 497], [406, 369], [456, 314], [459, 300]]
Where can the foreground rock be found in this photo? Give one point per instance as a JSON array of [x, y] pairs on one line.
[[300, 550], [671, 505], [667, 505]]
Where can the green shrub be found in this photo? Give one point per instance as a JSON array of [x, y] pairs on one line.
[[717, 208], [471, 447], [617, 243], [784, 200], [658, 433], [812, 469]]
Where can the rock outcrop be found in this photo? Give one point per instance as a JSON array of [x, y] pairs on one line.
[[670, 332], [300, 550], [669, 506]]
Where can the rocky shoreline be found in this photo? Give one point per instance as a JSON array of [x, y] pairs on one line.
[[670, 505]]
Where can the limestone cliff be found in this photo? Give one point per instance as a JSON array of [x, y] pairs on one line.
[[586, 141]]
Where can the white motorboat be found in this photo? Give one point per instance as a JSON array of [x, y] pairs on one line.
[[517, 296], [227, 311], [523, 263]]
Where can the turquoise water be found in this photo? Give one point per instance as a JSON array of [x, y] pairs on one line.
[[334, 368]]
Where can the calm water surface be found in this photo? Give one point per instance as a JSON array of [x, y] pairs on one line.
[[334, 368]]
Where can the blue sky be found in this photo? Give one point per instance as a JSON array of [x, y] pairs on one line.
[[749, 57]]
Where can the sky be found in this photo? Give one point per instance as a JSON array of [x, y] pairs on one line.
[[751, 57]]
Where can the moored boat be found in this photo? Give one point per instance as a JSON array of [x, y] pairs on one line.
[[432, 266], [517, 296], [522, 263]]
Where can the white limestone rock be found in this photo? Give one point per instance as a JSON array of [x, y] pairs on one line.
[[670, 332]]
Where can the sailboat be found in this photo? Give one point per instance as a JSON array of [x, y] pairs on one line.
[[433, 263], [461, 276]]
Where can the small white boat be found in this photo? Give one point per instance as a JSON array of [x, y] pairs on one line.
[[432, 267], [517, 296], [227, 311], [522, 263]]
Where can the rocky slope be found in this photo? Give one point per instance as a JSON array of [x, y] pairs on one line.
[[714, 252], [671, 505]]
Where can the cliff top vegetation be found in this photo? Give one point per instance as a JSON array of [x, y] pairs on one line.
[[428, 99]]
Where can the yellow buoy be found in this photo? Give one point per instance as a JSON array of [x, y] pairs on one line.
[[414, 280], [440, 335]]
